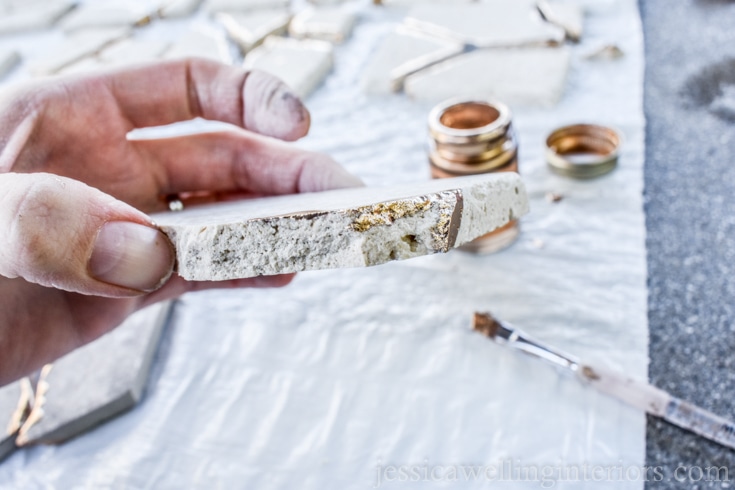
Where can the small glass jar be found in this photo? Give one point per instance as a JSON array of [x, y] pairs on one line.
[[470, 137]]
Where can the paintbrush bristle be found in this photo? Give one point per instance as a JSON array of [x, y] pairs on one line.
[[485, 324]]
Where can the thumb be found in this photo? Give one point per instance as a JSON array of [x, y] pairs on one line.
[[61, 233]]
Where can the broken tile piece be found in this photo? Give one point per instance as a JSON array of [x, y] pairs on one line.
[[75, 47], [214, 6], [178, 8], [343, 228], [530, 77], [8, 60], [395, 50], [249, 29], [108, 14], [133, 51], [9, 397], [36, 15], [199, 44], [495, 22], [328, 24], [99, 380], [302, 65]]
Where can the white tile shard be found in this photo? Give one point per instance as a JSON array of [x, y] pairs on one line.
[[302, 65], [343, 228], [126, 52], [249, 29], [26, 16], [214, 6], [529, 77], [10, 395], [75, 47], [325, 23], [108, 14], [9, 59], [494, 22], [173, 9], [200, 44]]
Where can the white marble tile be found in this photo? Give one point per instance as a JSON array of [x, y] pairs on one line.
[[214, 6], [302, 65], [74, 48], [9, 59], [179, 8], [249, 29], [529, 77], [108, 14], [201, 45], [19, 17], [331, 24]]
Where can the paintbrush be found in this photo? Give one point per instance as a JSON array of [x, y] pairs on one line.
[[636, 393]]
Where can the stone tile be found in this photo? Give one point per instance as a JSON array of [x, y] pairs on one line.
[[495, 22], [343, 228], [125, 52], [214, 6], [249, 29], [200, 44], [395, 50], [302, 65], [532, 77], [179, 8], [134, 51], [75, 47], [106, 14], [331, 24], [9, 59], [26, 16], [99, 380], [10, 395]]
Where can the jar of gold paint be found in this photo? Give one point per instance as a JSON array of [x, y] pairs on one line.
[[470, 137]]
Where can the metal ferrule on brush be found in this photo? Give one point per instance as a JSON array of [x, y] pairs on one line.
[[505, 334]]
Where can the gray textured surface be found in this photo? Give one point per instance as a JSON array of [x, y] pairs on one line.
[[9, 396], [101, 379], [690, 210]]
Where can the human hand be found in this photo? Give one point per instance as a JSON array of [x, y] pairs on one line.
[[78, 254]]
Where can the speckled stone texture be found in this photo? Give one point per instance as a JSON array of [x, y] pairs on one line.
[[337, 229], [690, 211]]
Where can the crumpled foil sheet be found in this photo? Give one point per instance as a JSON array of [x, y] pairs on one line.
[[368, 377]]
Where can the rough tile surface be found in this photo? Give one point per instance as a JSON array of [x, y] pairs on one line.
[[100, 380], [345, 228], [302, 65], [325, 23], [249, 29]]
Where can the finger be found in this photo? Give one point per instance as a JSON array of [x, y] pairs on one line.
[[238, 160], [177, 286], [163, 93], [61, 233]]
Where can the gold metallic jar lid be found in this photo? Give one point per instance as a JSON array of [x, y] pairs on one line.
[[582, 151], [468, 122]]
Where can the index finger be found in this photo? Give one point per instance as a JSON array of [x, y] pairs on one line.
[[167, 92]]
